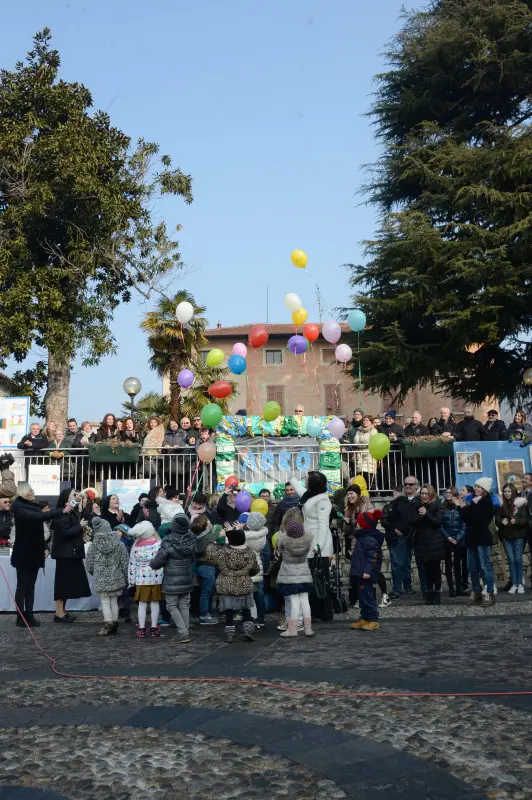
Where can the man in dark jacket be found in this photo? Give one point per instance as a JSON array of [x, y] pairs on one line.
[[356, 422], [289, 500], [34, 440], [398, 526], [495, 430], [416, 427], [70, 435], [446, 425], [29, 549], [470, 429], [393, 431]]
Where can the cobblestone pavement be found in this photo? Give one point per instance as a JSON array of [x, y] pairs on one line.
[[431, 748]]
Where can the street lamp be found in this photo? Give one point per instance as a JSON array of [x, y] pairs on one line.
[[132, 387]]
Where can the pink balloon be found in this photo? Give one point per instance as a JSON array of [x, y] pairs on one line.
[[207, 452], [240, 349], [343, 353], [331, 331], [336, 428]]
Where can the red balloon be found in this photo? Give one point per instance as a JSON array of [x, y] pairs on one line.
[[231, 481], [220, 389], [258, 336], [311, 331]]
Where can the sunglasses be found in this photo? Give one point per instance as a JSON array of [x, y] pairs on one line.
[[298, 411], [409, 484]]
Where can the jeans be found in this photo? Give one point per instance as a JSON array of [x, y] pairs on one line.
[[366, 598], [433, 574], [400, 556], [179, 608], [478, 558], [207, 580], [25, 591], [258, 596], [514, 553]]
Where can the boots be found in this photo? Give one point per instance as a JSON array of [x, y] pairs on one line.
[[490, 599], [291, 629], [428, 597], [230, 631], [107, 629], [114, 628], [358, 623], [436, 599], [248, 629], [476, 597], [307, 624]]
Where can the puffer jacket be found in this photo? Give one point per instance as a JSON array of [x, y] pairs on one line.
[[167, 510], [176, 555], [316, 515], [453, 526], [140, 573], [367, 553], [294, 565], [519, 528], [237, 565], [363, 459], [429, 542], [107, 560], [203, 540], [257, 541]]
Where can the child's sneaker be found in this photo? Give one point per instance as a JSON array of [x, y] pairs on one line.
[[155, 632], [385, 601], [282, 624], [248, 630], [184, 640], [140, 633]]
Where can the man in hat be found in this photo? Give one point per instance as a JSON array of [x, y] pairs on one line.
[[495, 429], [390, 427], [356, 422]]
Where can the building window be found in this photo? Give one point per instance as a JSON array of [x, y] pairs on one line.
[[333, 402], [328, 355], [275, 393], [203, 356], [274, 356]]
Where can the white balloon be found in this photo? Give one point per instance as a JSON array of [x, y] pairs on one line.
[[292, 301], [184, 312]]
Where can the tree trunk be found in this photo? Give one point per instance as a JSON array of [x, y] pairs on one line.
[[56, 397], [175, 400]]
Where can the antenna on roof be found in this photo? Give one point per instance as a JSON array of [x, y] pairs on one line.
[[267, 304]]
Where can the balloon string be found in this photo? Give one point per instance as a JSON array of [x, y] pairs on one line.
[[315, 369], [359, 370]]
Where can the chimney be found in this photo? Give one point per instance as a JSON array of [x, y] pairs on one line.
[[219, 325]]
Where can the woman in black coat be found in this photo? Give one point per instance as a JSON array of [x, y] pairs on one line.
[[68, 550], [478, 517], [150, 509], [429, 542], [29, 549]]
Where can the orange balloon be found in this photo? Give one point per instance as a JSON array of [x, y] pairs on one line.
[[311, 331]]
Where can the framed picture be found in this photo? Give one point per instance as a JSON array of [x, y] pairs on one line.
[[510, 472], [469, 461]]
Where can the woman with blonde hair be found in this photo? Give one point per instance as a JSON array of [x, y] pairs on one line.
[[429, 541]]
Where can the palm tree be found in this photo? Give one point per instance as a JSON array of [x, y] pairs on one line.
[[174, 346], [193, 399], [151, 404]]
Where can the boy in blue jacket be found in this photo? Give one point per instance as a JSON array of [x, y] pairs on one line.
[[366, 563]]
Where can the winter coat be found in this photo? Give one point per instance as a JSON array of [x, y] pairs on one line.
[[127, 436], [363, 460], [520, 526], [113, 521], [107, 560], [257, 541], [429, 541], [82, 439], [175, 438], [495, 431], [8, 487], [167, 510], [176, 555], [282, 507], [367, 553], [295, 553], [478, 517], [227, 513], [39, 442], [153, 441], [6, 523], [445, 427], [152, 514], [104, 434], [416, 430], [203, 540], [470, 430], [400, 514], [236, 566], [316, 514], [140, 573], [29, 547], [453, 526], [67, 537], [352, 430], [350, 518], [516, 431], [393, 428]]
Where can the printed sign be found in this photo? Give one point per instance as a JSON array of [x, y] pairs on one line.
[[45, 479], [14, 420], [127, 490]]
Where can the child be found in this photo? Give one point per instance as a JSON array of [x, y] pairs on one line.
[[366, 563], [146, 580], [237, 564], [199, 506], [205, 534], [256, 537], [294, 579], [293, 513], [168, 507], [107, 561], [176, 555], [122, 531]]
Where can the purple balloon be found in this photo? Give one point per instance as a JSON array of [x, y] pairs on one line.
[[243, 502], [336, 428], [185, 378], [297, 345]]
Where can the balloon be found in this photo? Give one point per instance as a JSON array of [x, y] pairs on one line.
[[292, 301], [356, 320], [207, 452], [379, 446], [215, 357], [313, 427], [311, 331], [185, 378], [232, 480], [299, 317], [243, 502], [211, 414], [271, 411], [343, 353], [220, 389], [184, 312], [240, 349], [237, 364], [297, 345], [336, 427], [243, 518], [261, 506], [299, 258], [331, 331], [258, 336], [527, 377], [360, 481]]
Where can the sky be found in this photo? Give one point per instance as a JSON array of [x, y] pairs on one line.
[[263, 103]]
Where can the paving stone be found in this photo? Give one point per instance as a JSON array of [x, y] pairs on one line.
[[24, 793], [248, 729]]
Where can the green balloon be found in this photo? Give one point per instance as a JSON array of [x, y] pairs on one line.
[[211, 414], [271, 411], [379, 446]]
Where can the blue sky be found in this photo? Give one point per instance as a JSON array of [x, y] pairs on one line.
[[262, 103]]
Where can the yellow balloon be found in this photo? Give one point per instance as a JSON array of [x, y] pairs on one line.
[[261, 506], [299, 317], [215, 357], [299, 258]]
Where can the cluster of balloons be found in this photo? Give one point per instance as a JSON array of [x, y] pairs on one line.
[[244, 502]]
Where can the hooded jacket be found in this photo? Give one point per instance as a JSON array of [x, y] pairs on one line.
[[140, 573], [257, 541], [429, 541], [295, 552], [237, 565], [367, 553], [175, 556], [107, 561], [167, 510], [316, 514], [478, 517]]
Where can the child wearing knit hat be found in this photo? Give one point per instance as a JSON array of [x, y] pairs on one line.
[[366, 563], [294, 579], [147, 581], [107, 560]]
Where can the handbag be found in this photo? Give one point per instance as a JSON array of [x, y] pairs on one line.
[[274, 566], [319, 576]]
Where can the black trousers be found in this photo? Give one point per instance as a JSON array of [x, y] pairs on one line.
[[456, 566], [230, 614], [25, 591], [433, 573]]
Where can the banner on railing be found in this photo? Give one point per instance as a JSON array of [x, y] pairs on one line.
[[45, 479], [14, 420]]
